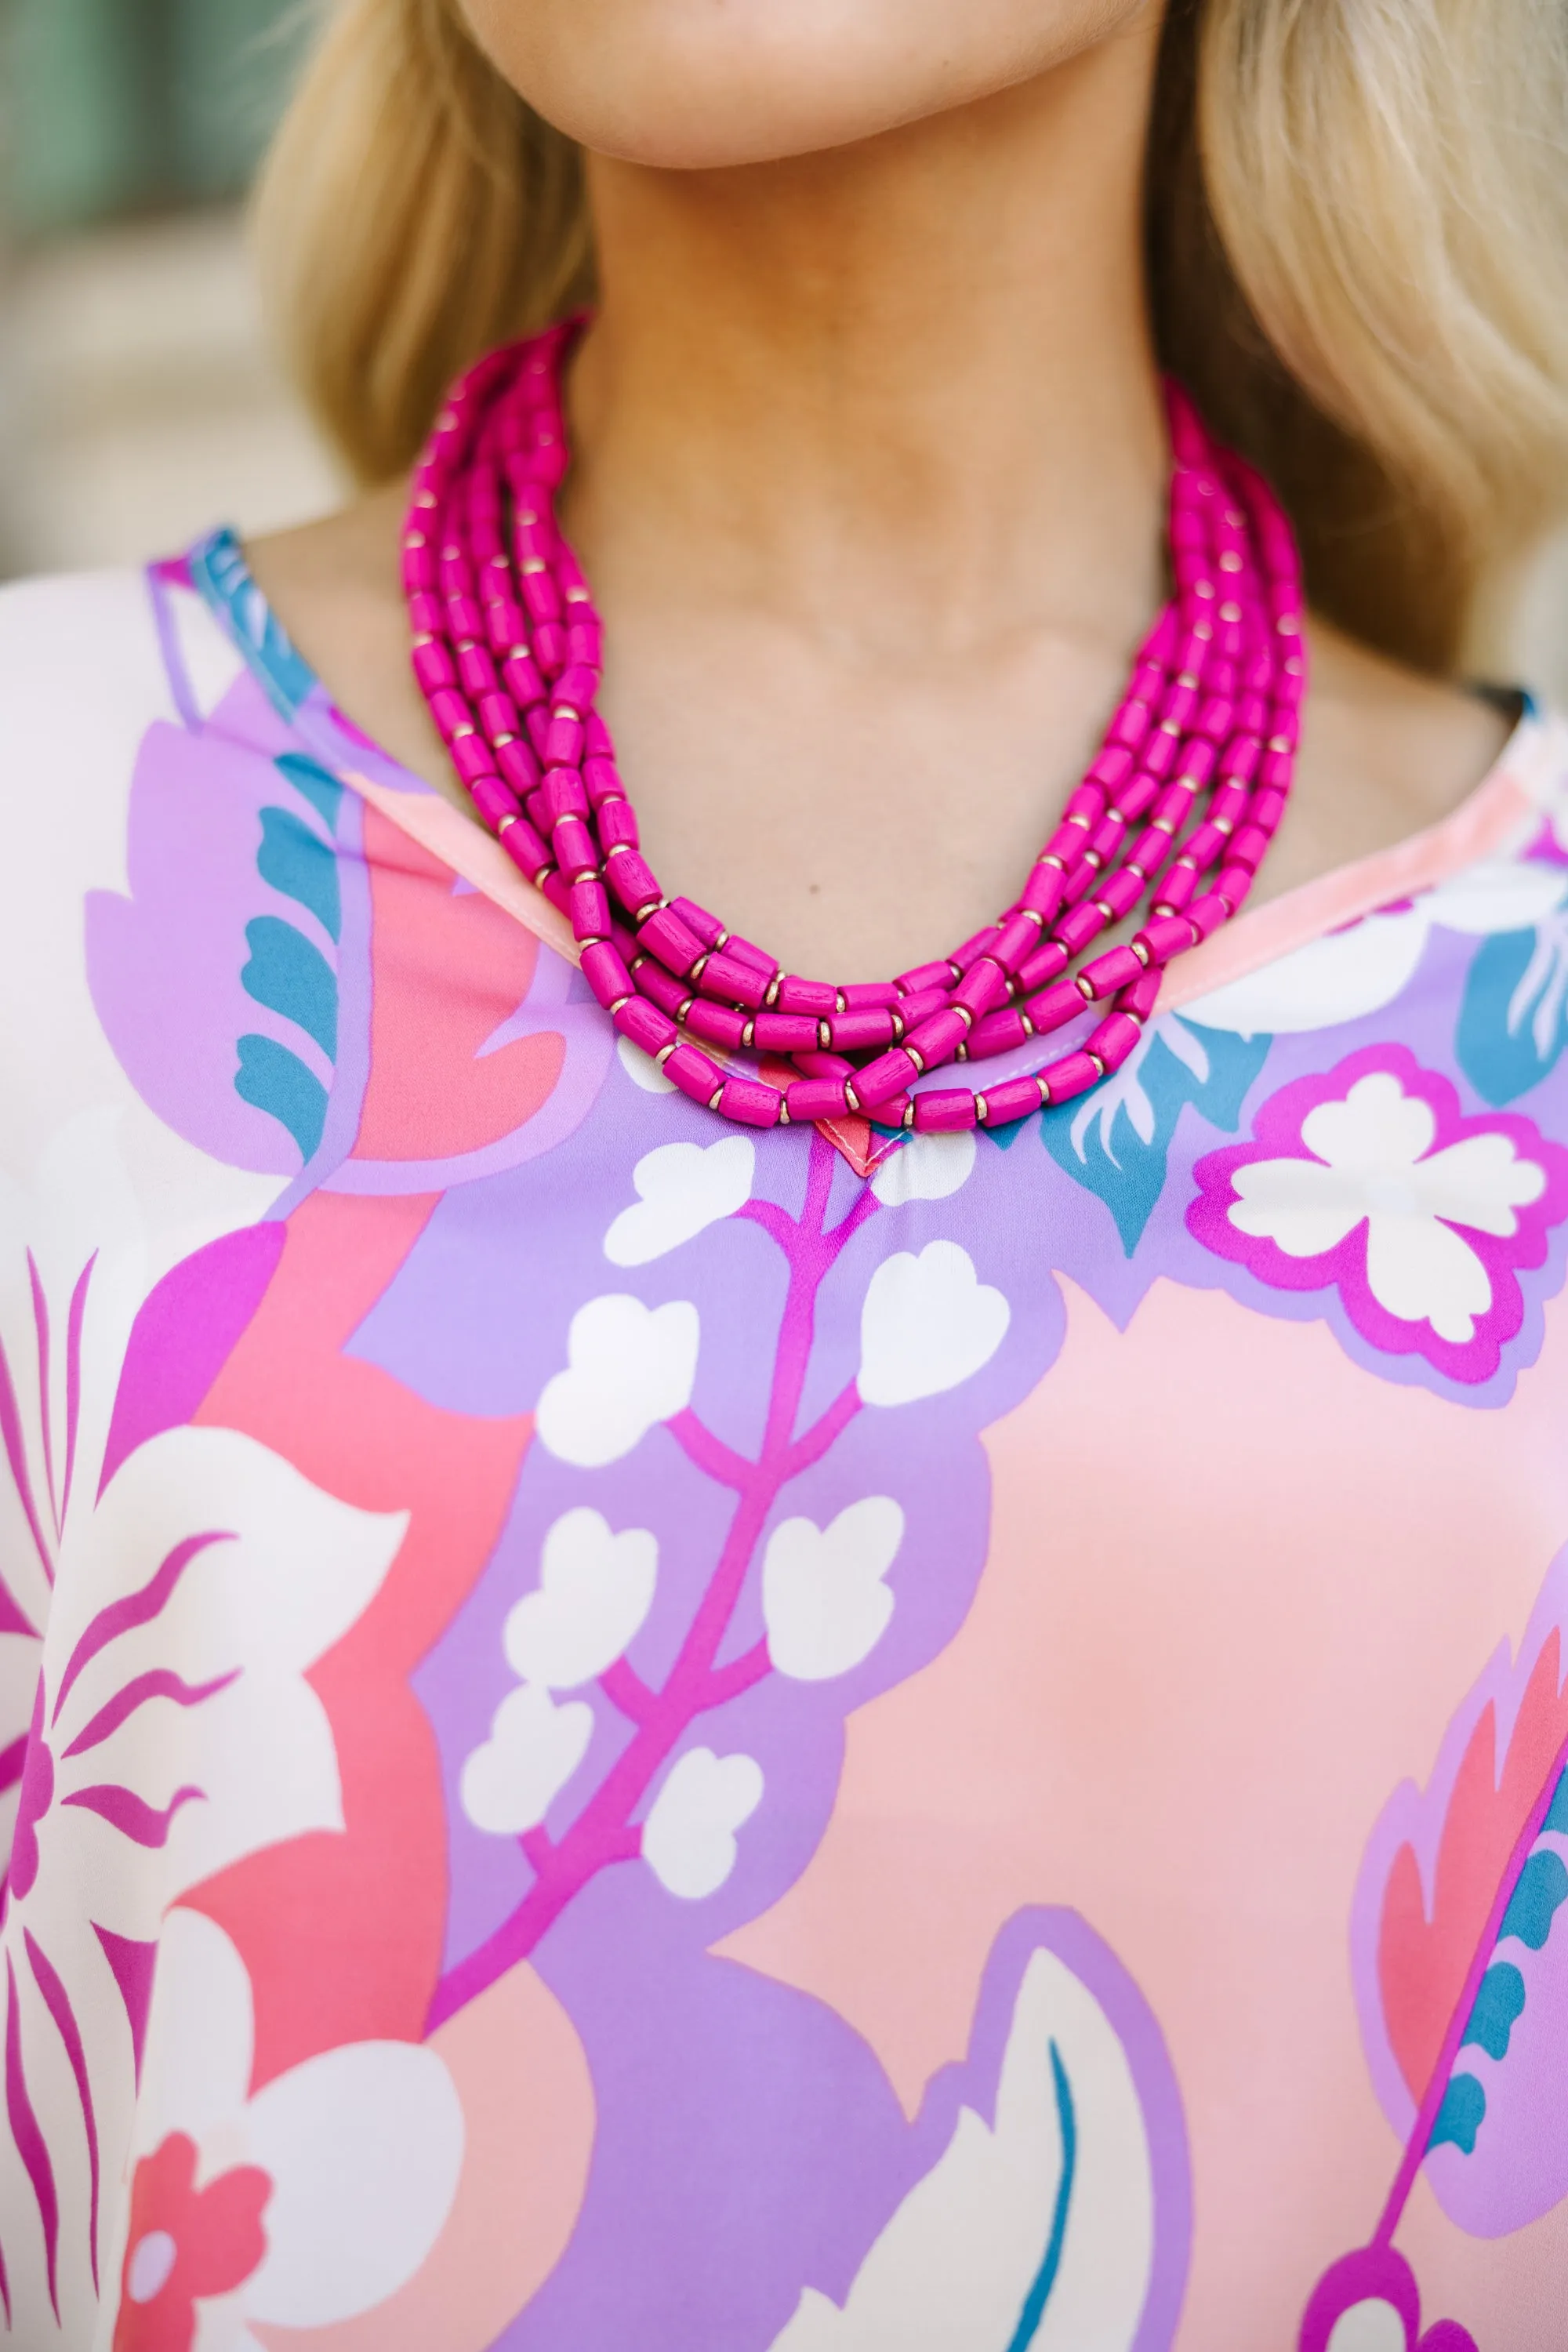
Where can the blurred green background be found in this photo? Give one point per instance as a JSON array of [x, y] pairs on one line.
[[126, 107]]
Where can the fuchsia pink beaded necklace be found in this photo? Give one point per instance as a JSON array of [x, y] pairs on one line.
[[508, 651]]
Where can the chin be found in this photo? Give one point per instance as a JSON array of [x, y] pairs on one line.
[[701, 84]]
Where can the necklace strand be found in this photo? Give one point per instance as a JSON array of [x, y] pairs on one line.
[[1177, 810]]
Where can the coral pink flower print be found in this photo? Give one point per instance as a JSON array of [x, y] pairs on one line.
[[1370, 1181], [185, 2242]]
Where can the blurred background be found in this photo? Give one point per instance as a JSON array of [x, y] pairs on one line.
[[138, 401]]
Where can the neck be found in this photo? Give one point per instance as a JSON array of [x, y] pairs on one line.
[[900, 395]]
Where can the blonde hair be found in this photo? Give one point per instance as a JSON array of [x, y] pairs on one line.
[[1357, 244]]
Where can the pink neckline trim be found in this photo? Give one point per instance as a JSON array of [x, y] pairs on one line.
[[1493, 816]]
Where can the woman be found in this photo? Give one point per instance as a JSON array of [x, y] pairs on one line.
[[701, 1662]]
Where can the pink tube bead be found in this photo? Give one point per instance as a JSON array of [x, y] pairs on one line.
[[464, 618], [934, 1040], [864, 995], [1088, 801], [981, 988], [433, 665], [1114, 1039], [890, 1074], [854, 1033], [525, 849], [1056, 1004], [604, 970], [1166, 936], [418, 570], [1141, 999], [1216, 718], [493, 799], [744, 951], [1108, 835], [449, 710], [813, 1098], [564, 741], [1151, 849], [1197, 762], [1204, 844], [925, 1001], [1234, 885], [1130, 723], [1180, 704], [666, 936], [694, 1074], [576, 687], [426, 615], [576, 853], [708, 928], [1227, 804], [1121, 894], [602, 779], [1044, 965], [550, 647], [946, 1111], [477, 670], [536, 726], [982, 943], [523, 680], [1248, 847], [1207, 913], [1073, 1076], [518, 765], [662, 987], [1018, 937], [1014, 1099], [1275, 768], [1174, 806], [585, 644], [539, 593], [555, 888], [924, 976], [562, 795], [506, 626], [499, 715], [750, 1102], [597, 743], [823, 1065], [1268, 808], [1076, 930], [998, 1034], [1239, 761], [1140, 794], [717, 1025], [1111, 766], [633, 881], [616, 827], [787, 1033], [813, 996], [590, 910], [724, 975], [1113, 969], [1158, 754], [1174, 891], [472, 757], [1042, 893]]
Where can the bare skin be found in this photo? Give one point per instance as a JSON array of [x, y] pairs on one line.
[[868, 481]]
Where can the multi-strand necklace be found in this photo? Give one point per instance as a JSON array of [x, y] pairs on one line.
[[1171, 821]]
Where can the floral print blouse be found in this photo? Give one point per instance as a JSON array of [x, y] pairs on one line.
[[618, 1733]]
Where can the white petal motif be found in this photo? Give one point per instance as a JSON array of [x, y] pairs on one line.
[[688, 1838], [595, 1590], [1479, 1183], [364, 2145], [1424, 1272], [1299, 1205], [1376, 1129], [957, 2261], [823, 1599], [630, 1366], [1374, 2327], [509, 1784], [926, 1168], [928, 1323], [684, 1189]]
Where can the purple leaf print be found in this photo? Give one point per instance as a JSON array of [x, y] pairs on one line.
[[58, 2002], [29, 2139], [138, 1608], [132, 1815]]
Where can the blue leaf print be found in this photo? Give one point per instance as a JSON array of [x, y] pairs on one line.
[[317, 784], [290, 976], [1116, 1142], [222, 575], [277, 1082], [1045, 2278], [298, 863], [1514, 1022]]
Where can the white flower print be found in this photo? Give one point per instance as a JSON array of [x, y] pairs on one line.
[[351, 2158], [175, 1730], [595, 1592], [1344, 975], [824, 1599], [629, 1368], [684, 1187], [688, 1838], [534, 1747], [928, 1323], [926, 1168], [1374, 1161]]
